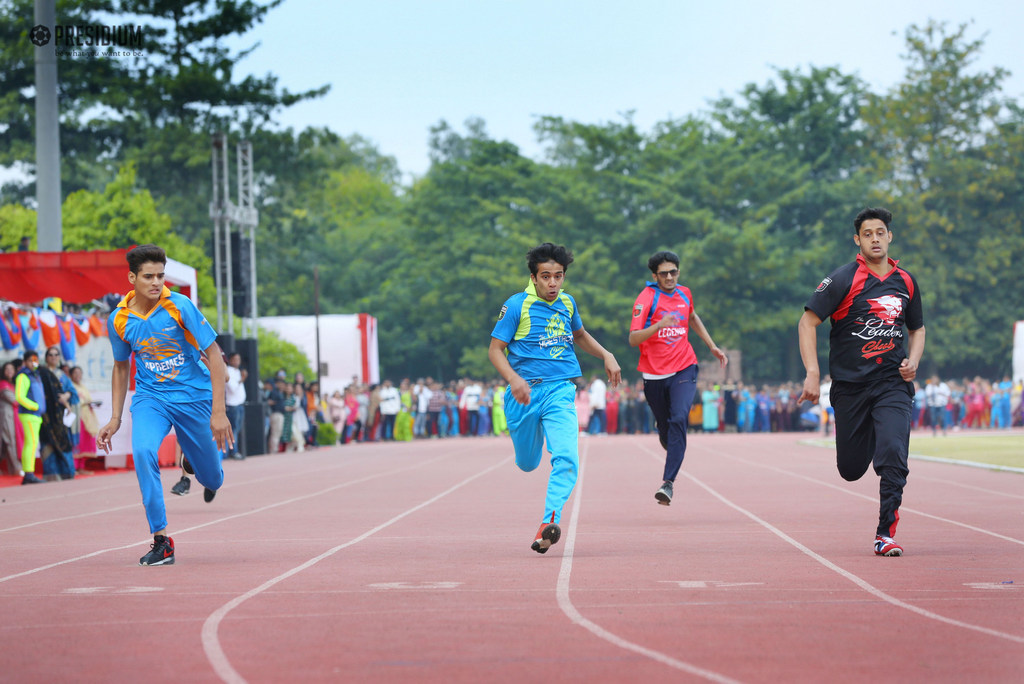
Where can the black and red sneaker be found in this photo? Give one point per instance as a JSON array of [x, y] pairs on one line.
[[548, 534], [160, 553]]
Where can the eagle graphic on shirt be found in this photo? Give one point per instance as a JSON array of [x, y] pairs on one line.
[[162, 355]]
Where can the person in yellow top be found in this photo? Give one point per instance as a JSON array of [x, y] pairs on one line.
[[31, 397], [498, 421]]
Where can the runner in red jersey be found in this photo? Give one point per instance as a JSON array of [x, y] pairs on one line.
[[870, 302], [662, 316]]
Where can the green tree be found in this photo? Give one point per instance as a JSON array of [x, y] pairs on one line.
[[157, 109], [120, 216], [947, 144]]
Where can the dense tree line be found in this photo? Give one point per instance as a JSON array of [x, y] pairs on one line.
[[757, 195]]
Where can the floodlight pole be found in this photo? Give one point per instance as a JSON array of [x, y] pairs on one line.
[[49, 233]]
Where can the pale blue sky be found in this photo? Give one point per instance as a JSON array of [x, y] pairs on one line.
[[398, 66]]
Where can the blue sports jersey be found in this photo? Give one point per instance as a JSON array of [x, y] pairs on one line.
[[167, 343], [539, 335]]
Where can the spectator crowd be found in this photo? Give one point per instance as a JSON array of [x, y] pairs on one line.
[[299, 417]]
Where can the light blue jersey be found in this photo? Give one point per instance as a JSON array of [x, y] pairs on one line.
[[167, 342], [539, 335]]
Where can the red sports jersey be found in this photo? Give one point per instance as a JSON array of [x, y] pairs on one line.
[[668, 350]]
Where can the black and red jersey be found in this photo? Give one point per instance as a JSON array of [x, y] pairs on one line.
[[869, 314]]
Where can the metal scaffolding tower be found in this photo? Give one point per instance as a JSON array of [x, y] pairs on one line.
[[232, 250], [220, 211], [247, 218]]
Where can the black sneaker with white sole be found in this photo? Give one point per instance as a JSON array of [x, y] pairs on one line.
[[160, 553], [664, 495], [182, 486]]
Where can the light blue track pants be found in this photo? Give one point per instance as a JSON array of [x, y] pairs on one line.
[[550, 415], [151, 421]]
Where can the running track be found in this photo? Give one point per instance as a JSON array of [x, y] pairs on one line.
[[411, 563]]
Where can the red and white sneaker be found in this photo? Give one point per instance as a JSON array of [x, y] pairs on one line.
[[887, 546], [548, 534]]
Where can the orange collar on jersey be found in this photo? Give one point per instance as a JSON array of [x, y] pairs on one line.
[[126, 300]]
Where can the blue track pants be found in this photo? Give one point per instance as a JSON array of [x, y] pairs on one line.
[[152, 419], [550, 415]]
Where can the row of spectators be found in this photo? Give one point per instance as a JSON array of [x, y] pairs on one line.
[[427, 408], [46, 415], [967, 403]]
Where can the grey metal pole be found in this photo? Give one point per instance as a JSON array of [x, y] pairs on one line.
[[217, 213], [252, 278], [49, 233]]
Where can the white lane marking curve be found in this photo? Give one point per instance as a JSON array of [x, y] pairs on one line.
[[211, 643], [565, 602]]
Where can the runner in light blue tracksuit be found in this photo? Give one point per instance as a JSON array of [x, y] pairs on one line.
[[532, 346], [180, 376]]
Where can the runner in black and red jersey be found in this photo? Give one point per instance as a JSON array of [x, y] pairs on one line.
[[870, 301], [662, 316]]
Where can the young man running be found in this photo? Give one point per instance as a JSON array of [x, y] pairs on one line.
[[870, 301], [169, 337], [663, 315], [532, 346]]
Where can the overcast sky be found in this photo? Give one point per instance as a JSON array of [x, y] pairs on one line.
[[396, 67]]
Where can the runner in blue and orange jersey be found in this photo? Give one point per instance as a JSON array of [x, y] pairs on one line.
[[869, 301], [662, 317], [170, 338], [532, 346]]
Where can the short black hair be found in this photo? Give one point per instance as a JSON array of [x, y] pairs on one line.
[[29, 354], [548, 252], [658, 258], [883, 215], [145, 254]]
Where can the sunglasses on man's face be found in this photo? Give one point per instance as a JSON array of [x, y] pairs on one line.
[[668, 274]]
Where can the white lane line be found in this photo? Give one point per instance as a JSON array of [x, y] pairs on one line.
[[84, 491], [969, 464], [953, 483], [849, 575], [565, 602], [254, 511], [316, 471], [905, 509], [211, 643], [69, 517]]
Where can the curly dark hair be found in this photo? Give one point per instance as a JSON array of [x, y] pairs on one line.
[[548, 252], [658, 258]]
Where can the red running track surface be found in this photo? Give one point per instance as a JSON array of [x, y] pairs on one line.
[[412, 563]]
